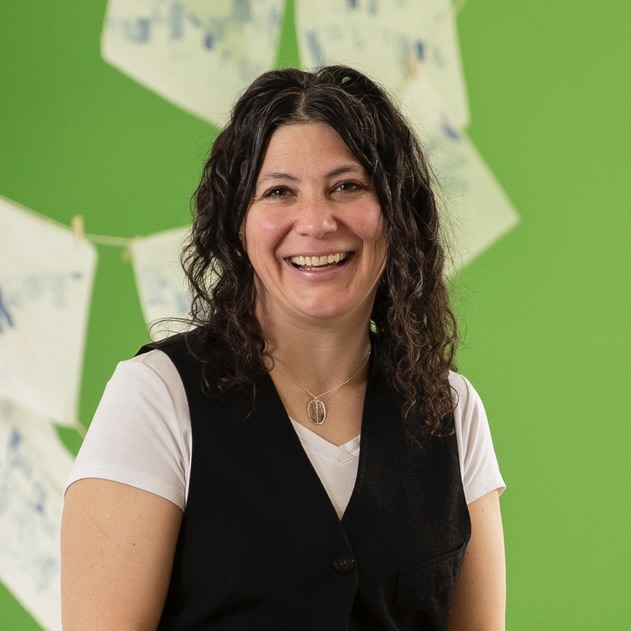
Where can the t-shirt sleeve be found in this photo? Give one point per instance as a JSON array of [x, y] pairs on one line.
[[478, 462], [140, 433]]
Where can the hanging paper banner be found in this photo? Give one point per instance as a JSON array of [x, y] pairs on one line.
[[390, 41], [161, 282], [199, 55], [34, 466], [46, 278], [477, 212]]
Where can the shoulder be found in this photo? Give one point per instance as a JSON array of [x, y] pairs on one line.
[[464, 393], [145, 376], [469, 413], [140, 433], [151, 362], [175, 345], [469, 410], [478, 462], [194, 353]]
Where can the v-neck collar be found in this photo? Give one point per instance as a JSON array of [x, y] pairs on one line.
[[338, 454], [375, 411]]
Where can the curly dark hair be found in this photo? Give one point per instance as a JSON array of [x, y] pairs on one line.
[[414, 324]]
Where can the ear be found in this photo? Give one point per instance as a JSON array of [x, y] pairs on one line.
[[242, 250]]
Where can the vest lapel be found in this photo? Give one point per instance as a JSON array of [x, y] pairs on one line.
[[302, 479]]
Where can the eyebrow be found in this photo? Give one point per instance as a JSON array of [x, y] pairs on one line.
[[281, 175], [276, 175]]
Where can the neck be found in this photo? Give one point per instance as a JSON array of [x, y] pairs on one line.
[[320, 358]]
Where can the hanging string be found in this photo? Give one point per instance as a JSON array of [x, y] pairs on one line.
[[80, 429], [102, 239]]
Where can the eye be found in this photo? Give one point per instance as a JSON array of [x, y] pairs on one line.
[[276, 192], [350, 186]]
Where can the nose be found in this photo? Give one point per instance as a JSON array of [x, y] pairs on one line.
[[315, 217]]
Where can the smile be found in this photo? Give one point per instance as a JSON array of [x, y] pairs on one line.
[[312, 262]]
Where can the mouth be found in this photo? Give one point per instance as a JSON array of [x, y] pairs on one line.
[[306, 263]]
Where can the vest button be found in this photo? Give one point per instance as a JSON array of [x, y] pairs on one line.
[[344, 563]]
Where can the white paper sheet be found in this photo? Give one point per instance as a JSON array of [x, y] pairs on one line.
[[390, 41], [45, 287], [160, 280], [34, 466], [197, 54], [477, 212]]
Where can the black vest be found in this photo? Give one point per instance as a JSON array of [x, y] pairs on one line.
[[261, 546]]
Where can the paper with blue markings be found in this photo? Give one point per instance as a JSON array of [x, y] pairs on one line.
[[477, 212], [197, 54], [160, 280], [34, 467], [392, 41], [412, 49], [46, 278]]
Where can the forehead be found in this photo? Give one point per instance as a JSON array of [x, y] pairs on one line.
[[296, 145]]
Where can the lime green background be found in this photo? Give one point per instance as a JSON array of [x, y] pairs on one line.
[[545, 311]]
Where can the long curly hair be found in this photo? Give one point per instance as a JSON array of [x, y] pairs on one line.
[[412, 319]]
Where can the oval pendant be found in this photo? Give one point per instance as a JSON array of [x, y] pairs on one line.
[[316, 411]]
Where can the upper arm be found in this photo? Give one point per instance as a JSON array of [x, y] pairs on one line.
[[480, 597], [117, 547]]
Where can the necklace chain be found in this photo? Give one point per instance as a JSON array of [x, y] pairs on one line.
[[316, 410]]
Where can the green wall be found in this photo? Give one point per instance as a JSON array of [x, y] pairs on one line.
[[544, 312]]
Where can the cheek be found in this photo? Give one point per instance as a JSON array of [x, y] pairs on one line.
[[254, 234], [261, 242], [378, 233], [263, 228]]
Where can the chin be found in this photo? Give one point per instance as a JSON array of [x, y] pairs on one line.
[[330, 311]]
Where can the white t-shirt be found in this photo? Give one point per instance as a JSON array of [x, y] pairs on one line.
[[141, 436]]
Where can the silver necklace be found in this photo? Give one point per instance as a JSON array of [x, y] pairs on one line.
[[316, 410]]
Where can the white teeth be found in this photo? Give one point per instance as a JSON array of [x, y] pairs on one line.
[[317, 261]]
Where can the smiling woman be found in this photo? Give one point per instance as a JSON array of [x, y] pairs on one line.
[[305, 457], [314, 232]]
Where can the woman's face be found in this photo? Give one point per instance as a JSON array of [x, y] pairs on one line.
[[314, 232]]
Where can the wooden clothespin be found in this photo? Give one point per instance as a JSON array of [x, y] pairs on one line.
[[77, 229], [126, 255]]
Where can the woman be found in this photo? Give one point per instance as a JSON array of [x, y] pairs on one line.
[[303, 458]]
